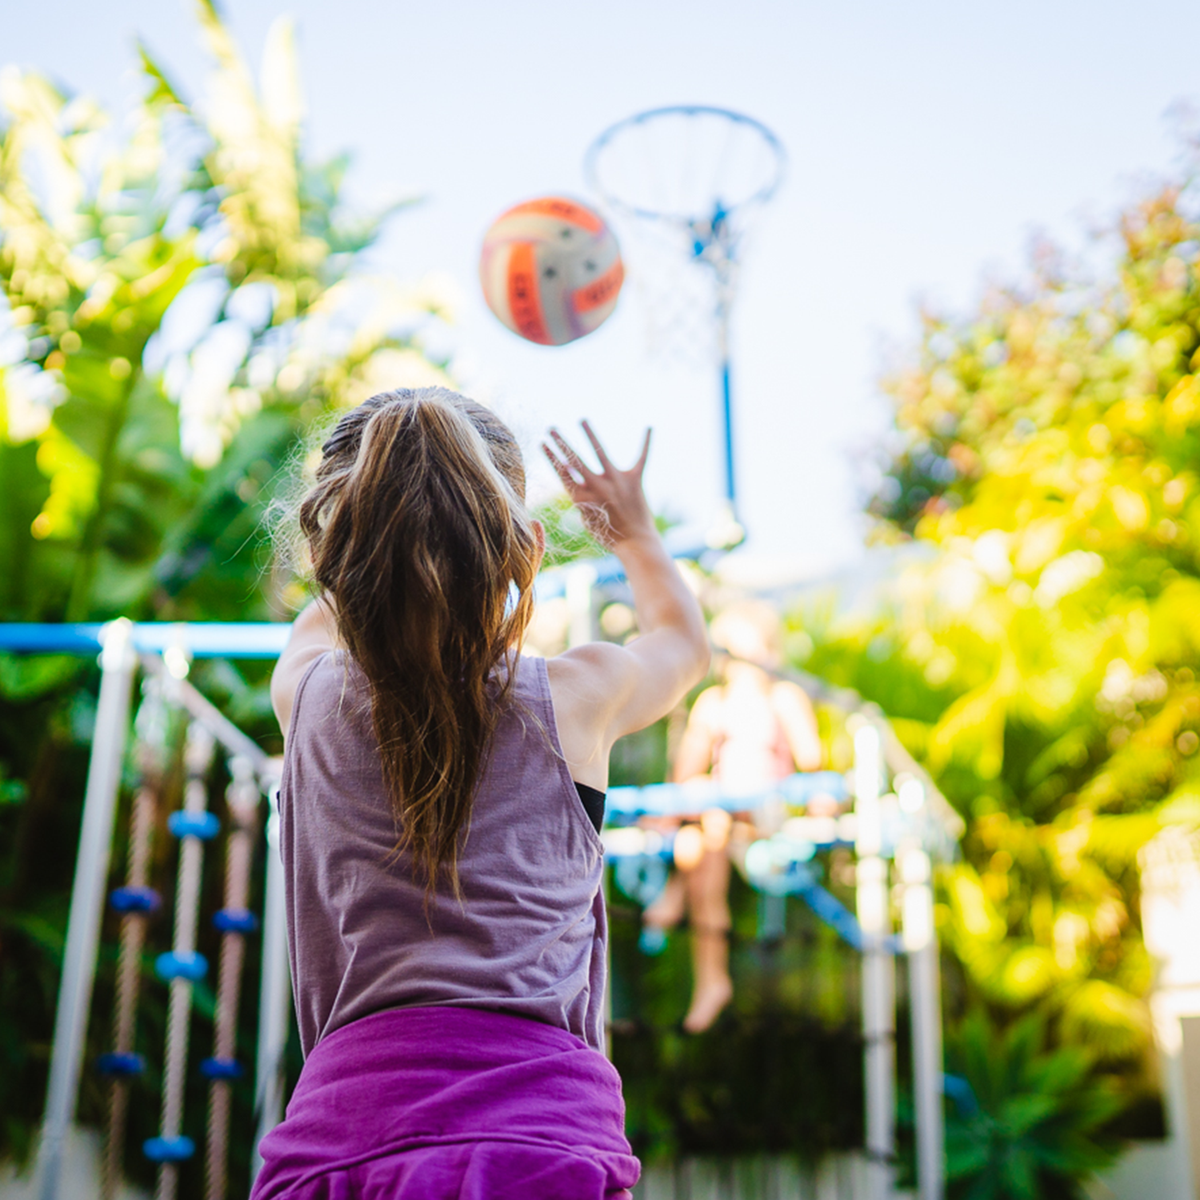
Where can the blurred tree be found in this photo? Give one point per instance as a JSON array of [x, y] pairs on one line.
[[181, 297], [1038, 643], [166, 292]]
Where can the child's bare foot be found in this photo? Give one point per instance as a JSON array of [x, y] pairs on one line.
[[707, 1003]]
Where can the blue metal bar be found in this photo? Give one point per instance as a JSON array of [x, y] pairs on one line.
[[826, 907], [200, 639], [50, 639], [681, 799]]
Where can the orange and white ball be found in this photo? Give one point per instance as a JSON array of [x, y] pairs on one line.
[[551, 270]]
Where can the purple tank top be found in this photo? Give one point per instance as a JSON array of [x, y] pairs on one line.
[[529, 935]]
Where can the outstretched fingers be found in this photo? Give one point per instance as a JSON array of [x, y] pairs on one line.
[[610, 500], [640, 465], [573, 460], [605, 461], [560, 469], [576, 474]]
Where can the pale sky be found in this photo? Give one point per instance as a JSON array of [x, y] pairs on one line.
[[927, 141]]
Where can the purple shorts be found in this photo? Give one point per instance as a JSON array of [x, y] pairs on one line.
[[444, 1102]]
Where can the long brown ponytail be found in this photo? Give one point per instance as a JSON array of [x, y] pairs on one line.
[[418, 531]]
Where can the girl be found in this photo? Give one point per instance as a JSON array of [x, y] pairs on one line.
[[749, 732], [440, 807]]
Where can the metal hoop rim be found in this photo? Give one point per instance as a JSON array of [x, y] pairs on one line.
[[603, 139]]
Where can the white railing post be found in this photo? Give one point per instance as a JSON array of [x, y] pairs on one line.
[[275, 994], [925, 1001], [878, 965], [1170, 867], [117, 664]]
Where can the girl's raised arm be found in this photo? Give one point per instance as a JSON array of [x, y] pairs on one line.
[[629, 687]]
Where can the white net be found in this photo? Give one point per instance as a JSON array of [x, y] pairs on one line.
[[684, 185], [675, 295]]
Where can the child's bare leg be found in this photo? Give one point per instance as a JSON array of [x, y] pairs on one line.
[[708, 907], [667, 909]]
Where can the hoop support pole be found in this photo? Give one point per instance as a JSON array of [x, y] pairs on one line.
[[727, 418], [724, 280], [117, 664]]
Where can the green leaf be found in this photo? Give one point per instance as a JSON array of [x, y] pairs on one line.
[[24, 678], [162, 91], [1019, 1114], [24, 492]]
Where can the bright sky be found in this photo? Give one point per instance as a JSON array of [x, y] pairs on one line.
[[927, 141]]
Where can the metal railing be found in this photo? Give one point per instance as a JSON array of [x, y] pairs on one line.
[[911, 827]]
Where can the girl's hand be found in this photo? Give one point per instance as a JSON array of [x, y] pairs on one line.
[[611, 502]]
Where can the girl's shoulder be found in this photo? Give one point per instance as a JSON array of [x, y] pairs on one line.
[[590, 682], [330, 687]]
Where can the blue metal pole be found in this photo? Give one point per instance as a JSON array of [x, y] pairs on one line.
[[200, 639], [727, 418], [724, 267]]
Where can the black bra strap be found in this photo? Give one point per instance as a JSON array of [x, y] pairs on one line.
[[593, 803]]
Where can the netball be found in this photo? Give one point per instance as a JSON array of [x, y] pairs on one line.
[[551, 270]]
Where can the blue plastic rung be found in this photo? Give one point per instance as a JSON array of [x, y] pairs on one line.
[[120, 1065], [221, 1068], [134, 900], [181, 966], [235, 920], [168, 1150], [204, 825]]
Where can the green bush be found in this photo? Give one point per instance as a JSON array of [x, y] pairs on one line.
[[1040, 1121]]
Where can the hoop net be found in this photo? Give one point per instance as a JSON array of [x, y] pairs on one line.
[[685, 185]]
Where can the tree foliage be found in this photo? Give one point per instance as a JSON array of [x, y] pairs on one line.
[[180, 304], [181, 298], [1037, 642]]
